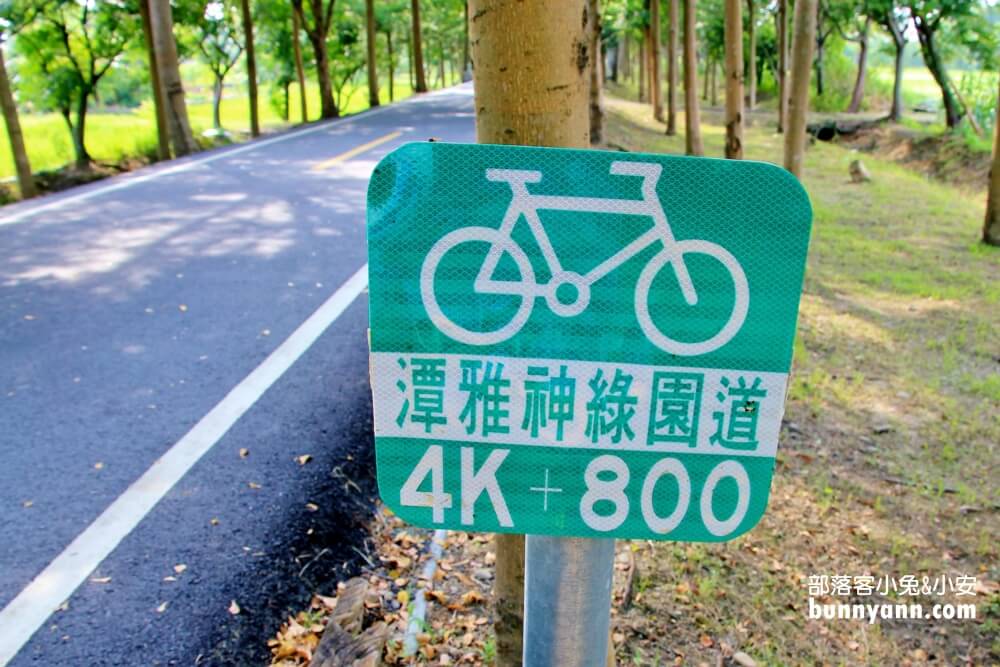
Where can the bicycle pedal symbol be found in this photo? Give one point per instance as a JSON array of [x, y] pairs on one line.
[[523, 203]]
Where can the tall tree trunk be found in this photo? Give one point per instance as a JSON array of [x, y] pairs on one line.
[[25, 181], [672, 69], [441, 57], [991, 227], [217, 103], [650, 79], [642, 69], [286, 110], [708, 79], [751, 55], [531, 88], [327, 105], [251, 67], [857, 95], [615, 59], [654, 72], [409, 58], [715, 87], [803, 39], [734, 79], [370, 37], [820, 49], [299, 70], [162, 22], [418, 49], [392, 66], [162, 134], [926, 33], [626, 62], [83, 158], [899, 41], [596, 94], [465, 38], [692, 122], [782, 34]]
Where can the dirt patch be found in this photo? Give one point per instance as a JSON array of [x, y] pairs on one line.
[[945, 157]]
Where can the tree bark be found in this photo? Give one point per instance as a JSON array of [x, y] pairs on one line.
[[782, 35], [715, 88], [392, 66], [162, 133], [708, 79], [672, 69], [626, 59], [926, 33], [418, 49], [299, 70], [899, 41], [734, 79], [858, 94], [317, 34], [370, 37], [596, 94], [162, 22], [820, 49], [692, 122], [751, 55], [991, 227], [803, 39], [654, 72], [531, 88], [251, 67], [465, 39], [217, 103], [642, 68], [25, 181], [83, 158]]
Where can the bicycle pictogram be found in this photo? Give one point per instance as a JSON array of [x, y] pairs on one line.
[[523, 203]]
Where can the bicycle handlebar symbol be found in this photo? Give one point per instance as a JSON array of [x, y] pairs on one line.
[[527, 204]]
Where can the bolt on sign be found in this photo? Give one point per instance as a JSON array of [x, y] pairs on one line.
[[586, 343]]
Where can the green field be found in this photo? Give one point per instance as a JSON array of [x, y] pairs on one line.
[[112, 137]]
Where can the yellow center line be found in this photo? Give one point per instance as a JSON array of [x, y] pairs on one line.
[[358, 150]]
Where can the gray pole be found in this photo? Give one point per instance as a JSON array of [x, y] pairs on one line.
[[567, 601]]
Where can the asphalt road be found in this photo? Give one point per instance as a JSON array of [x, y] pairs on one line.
[[128, 311]]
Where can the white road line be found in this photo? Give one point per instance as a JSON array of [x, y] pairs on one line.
[[29, 610]]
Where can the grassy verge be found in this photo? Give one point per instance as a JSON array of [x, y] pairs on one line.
[[889, 458]]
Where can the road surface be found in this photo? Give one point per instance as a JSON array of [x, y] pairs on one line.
[[171, 343]]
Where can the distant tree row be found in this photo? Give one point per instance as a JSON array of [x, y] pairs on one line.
[[70, 54]]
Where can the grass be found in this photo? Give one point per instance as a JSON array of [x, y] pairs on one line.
[[889, 458], [112, 137]]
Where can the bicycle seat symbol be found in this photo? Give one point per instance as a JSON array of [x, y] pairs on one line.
[[523, 203]]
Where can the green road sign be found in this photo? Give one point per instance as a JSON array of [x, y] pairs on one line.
[[575, 342]]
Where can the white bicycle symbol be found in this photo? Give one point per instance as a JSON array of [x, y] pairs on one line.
[[527, 204]]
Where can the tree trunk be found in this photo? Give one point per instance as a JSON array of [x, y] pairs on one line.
[[251, 67], [857, 95], [465, 39], [25, 181], [616, 59], [708, 79], [820, 49], [642, 69], [328, 107], [285, 85], [953, 115], [751, 56], [162, 134], [672, 69], [734, 79], [654, 39], [83, 158], [531, 88], [162, 22], [217, 103], [299, 70], [715, 88], [418, 49], [782, 35], [370, 37], [650, 79], [443, 82], [392, 66], [899, 41], [626, 63], [991, 228], [596, 94], [803, 39], [692, 122]]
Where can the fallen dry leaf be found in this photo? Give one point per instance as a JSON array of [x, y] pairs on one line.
[[244, 452], [99, 465], [234, 608], [304, 459], [28, 503], [472, 597], [183, 308], [312, 507], [214, 521], [162, 608], [253, 485], [100, 580], [180, 567]]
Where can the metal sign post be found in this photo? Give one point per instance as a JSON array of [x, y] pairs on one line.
[[567, 601], [580, 344]]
